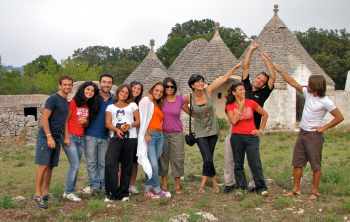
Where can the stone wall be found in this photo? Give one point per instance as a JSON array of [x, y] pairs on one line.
[[17, 128]]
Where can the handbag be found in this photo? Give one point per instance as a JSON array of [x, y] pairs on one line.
[[190, 138]]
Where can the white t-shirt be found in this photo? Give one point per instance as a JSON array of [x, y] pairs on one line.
[[315, 109], [123, 115]]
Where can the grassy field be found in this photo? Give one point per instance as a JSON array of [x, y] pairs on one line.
[[18, 174]]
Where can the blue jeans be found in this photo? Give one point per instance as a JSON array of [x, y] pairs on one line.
[[74, 153], [248, 144], [95, 151], [207, 147], [155, 148]]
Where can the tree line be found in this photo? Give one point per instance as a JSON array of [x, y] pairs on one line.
[[329, 48]]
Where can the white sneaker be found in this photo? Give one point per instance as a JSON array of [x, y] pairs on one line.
[[87, 190], [71, 196], [264, 193], [125, 199], [107, 200], [133, 190]]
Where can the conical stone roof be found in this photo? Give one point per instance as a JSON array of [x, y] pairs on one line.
[[145, 71], [284, 49], [212, 61]]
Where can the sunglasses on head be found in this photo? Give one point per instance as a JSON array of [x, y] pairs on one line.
[[235, 83], [137, 81], [170, 86]]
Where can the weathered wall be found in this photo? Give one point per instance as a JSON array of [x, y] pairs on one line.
[[342, 101], [15, 127]]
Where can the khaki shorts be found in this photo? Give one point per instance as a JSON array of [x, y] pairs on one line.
[[308, 147]]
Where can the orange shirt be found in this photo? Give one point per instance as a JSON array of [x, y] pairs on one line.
[[157, 118]]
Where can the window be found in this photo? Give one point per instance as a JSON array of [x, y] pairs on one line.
[[31, 111], [219, 95]]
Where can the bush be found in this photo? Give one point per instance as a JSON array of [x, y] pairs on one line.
[[6, 202], [223, 123]]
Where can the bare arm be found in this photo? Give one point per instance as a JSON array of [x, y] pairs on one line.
[[247, 60], [66, 131], [234, 118], [45, 121], [223, 79], [264, 115], [269, 69], [288, 79], [185, 108], [187, 98], [338, 117]]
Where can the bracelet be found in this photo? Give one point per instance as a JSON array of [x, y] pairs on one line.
[[48, 135], [239, 113], [130, 125]]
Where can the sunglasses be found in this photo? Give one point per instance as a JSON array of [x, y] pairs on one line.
[[137, 81], [170, 86], [235, 83]]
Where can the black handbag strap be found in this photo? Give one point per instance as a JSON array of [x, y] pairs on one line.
[[190, 111]]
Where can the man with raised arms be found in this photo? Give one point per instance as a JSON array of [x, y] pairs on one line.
[[308, 146]]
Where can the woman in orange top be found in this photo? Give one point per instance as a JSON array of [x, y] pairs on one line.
[[151, 139]]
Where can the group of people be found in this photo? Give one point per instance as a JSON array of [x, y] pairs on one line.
[[119, 131]]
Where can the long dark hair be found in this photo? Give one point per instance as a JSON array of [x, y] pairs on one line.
[[93, 103], [122, 86], [150, 91], [318, 84], [230, 98], [139, 97]]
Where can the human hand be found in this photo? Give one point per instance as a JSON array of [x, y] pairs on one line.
[[276, 67], [265, 56], [51, 143], [256, 132], [241, 103], [319, 129], [148, 138], [254, 46], [66, 141], [239, 64], [82, 121], [119, 133]]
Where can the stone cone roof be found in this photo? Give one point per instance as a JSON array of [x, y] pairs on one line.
[[145, 69], [284, 49], [210, 60]]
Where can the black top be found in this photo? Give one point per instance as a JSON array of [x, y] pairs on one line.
[[259, 96]]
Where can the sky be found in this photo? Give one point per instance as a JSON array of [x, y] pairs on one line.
[[32, 28]]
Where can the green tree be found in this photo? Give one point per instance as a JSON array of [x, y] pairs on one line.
[[41, 64], [185, 33], [330, 49]]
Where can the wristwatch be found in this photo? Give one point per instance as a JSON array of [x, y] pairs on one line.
[[262, 132]]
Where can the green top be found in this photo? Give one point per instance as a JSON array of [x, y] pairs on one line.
[[205, 123]]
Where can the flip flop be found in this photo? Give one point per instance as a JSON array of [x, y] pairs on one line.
[[201, 189], [178, 191], [291, 191], [317, 196]]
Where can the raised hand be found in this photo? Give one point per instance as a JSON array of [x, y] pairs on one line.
[[254, 46]]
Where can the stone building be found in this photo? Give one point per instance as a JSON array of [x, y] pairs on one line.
[[212, 60], [20, 117], [149, 71], [285, 105]]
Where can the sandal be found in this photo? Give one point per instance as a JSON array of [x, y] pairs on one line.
[[312, 193], [291, 191], [201, 189], [178, 191], [216, 189]]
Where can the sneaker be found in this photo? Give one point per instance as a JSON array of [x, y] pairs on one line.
[[50, 197], [87, 190], [151, 195], [164, 194], [264, 193], [125, 199], [107, 200], [38, 200], [133, 190], [71, 196], [229, 189]]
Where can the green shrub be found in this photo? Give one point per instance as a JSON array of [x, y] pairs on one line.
[[223, 123]]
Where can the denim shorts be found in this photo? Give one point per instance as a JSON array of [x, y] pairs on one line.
[[45, 155]]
